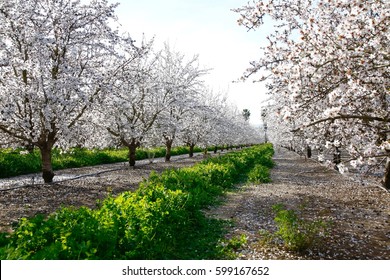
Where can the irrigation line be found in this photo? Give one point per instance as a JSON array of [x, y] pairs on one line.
[[61, 181], [144, 163]]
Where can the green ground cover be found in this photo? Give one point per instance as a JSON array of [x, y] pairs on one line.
[[163, 219]]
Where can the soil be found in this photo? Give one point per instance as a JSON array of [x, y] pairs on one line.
[[359, 213]]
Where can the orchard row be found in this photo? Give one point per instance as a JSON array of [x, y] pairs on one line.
[[327, 64], [163, 219], [68, 78]]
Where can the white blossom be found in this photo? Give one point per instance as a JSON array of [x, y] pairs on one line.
[[328, 64]]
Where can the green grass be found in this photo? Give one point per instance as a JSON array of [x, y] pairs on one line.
[[162, 219], [14, 162], [259, 174]]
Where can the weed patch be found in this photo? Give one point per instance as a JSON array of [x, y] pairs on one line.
[[228, 247], [296, 233]]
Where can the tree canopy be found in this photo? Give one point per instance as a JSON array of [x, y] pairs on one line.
[[67, 78], [327, 67]]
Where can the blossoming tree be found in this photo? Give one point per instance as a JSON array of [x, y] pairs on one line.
[[200, 126], [52, 68], [131, 108], [182, 79], [327, 63]]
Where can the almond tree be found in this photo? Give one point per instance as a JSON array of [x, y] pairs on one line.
[[193, 130], [215, 122], [198, 126], [182, 79], [135, 100], [53, 55], [327, 64], [234, 129]]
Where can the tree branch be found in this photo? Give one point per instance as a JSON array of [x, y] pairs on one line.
[[360, 117]]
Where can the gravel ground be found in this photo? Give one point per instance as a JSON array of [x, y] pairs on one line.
[[360, 214]]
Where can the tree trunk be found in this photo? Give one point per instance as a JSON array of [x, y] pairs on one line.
[[386, 177], [47, 169], [168, 145], [308, 152], [192, 146], [132, 149], [337, 157], [215, 149]]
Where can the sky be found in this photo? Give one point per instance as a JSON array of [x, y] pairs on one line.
[[208, 28]]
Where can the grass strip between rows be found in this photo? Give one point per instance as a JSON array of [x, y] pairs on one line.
[[14, 162]]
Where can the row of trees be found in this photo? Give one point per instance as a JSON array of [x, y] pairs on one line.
[[327, 66], [67, 78]]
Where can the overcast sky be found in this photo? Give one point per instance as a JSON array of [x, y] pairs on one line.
[[205, 27]]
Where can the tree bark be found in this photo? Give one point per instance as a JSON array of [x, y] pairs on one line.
[[337, 158], [47, 169], [386, 176], [308, 152], [192, 146], [132, 152], [168, 145], [132, 147]]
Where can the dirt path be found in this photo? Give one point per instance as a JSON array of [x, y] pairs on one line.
[[360, 214]]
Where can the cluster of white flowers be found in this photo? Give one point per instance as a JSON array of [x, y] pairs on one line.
[[329, 63]]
